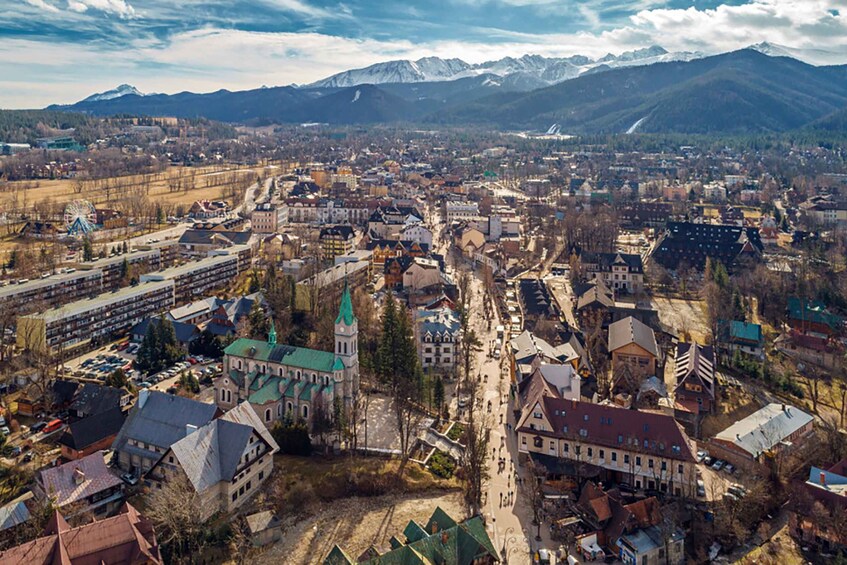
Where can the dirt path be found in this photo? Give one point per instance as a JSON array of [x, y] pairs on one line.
[[355, 524]]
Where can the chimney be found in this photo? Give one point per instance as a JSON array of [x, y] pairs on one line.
[[190, 429], [143, 395], [783, 407], [823, 479], [79, 476], [444, 537]]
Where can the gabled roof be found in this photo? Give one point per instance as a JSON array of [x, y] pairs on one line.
[[695, 362], [94, 398], [299, 357], [245, 414], [88, 431], [631, 330], [612, 426], [77, 480], [160, 419], [345, 310], [184, 332], [212, 453], [762, 430]]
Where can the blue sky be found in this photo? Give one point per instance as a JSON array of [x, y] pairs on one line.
[[58, 51]]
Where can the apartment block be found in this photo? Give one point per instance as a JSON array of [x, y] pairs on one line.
[[96, 318], [135, 263], [197, 278], [51, 291], [266, 218]]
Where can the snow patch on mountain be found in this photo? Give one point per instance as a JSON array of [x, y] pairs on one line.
[[634, 127], [356, 96], [818, 57], [122, 90]]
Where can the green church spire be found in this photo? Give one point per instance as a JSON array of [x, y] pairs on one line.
[[345, 312], [272, 334]]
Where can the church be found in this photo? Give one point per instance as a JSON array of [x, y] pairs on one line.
[[282, 379]]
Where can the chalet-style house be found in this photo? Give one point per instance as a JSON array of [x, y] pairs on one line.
[[441, 540], [87, 484], [437, 337], [226, 461], [694, 374], [635, 354], [690, 244], [127, 538], [645, 450], [622, 272], [279, 379], [156, 422]]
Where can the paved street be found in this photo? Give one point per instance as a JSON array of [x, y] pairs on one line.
[[508, 515]]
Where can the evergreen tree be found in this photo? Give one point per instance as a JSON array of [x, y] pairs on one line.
[[438, 394], [87, 249], [257, 322], [117, 379], [145, 359]]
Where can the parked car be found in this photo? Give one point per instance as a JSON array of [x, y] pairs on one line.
[[701, 455], [37, 427], [737, 490], [53, 425], [717, 465], [701, 488], [129, 479], [5, 431], [729, 468], [708, 461]]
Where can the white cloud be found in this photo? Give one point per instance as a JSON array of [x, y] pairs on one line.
[[212, 58], [117, 7], [43, 5]]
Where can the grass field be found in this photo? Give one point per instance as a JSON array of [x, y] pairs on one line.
[[175, 186]]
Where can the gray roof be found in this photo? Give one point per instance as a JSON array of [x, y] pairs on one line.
[[160, 419], [15, 512], [764, 429], [631, 330], [211, 454]]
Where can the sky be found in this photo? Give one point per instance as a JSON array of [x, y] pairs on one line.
[[60, 51]]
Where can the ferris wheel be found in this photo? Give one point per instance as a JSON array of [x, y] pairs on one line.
[[80, 217]]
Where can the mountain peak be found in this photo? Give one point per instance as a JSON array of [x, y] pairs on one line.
[[117, 92]]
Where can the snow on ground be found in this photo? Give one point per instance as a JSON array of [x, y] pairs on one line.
[[634, 127], [356, 96]]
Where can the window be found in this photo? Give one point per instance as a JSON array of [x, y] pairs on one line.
[[680, 468], [234, 496], [552, 446], [538, 442], [590, 452], [523, 440], [614, 456], [249, 485], [664, 465], [602, 454], [268, 415], [638, 460], [305, 411], [650, 463], [565, 448], [170, 459], [261, 475], [536, 415]]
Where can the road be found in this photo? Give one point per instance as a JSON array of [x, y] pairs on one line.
[[508, 518]]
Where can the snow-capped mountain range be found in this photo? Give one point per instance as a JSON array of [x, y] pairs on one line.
[[548, 70], [521, 73]]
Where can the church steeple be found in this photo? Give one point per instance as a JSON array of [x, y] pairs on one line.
[[345, 311], [272, 335]]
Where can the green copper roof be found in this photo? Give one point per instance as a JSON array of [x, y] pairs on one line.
[[345, 312], [268, 393], [339, 364], [298, 357], [338, 557]]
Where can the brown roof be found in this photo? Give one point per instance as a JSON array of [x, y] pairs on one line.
[[125, 538], [612, 426]]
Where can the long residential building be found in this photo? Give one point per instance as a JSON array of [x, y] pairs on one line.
[[198, 278], [643, 449], [96, 318], [52, 291], [137, 262]]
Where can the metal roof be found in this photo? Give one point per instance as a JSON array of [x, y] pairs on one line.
[[762, 430]]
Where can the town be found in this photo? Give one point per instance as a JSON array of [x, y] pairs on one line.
[[317, 344]]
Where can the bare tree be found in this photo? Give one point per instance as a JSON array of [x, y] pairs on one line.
[[174, 510]]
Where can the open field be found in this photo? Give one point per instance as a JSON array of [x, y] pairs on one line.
[[354, 502], [685, 316], [175, 186]]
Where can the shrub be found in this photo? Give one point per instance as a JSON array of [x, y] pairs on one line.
[[442, 465]]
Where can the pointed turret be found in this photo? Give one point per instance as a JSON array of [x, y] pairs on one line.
[[272, 335], [345, 312]]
